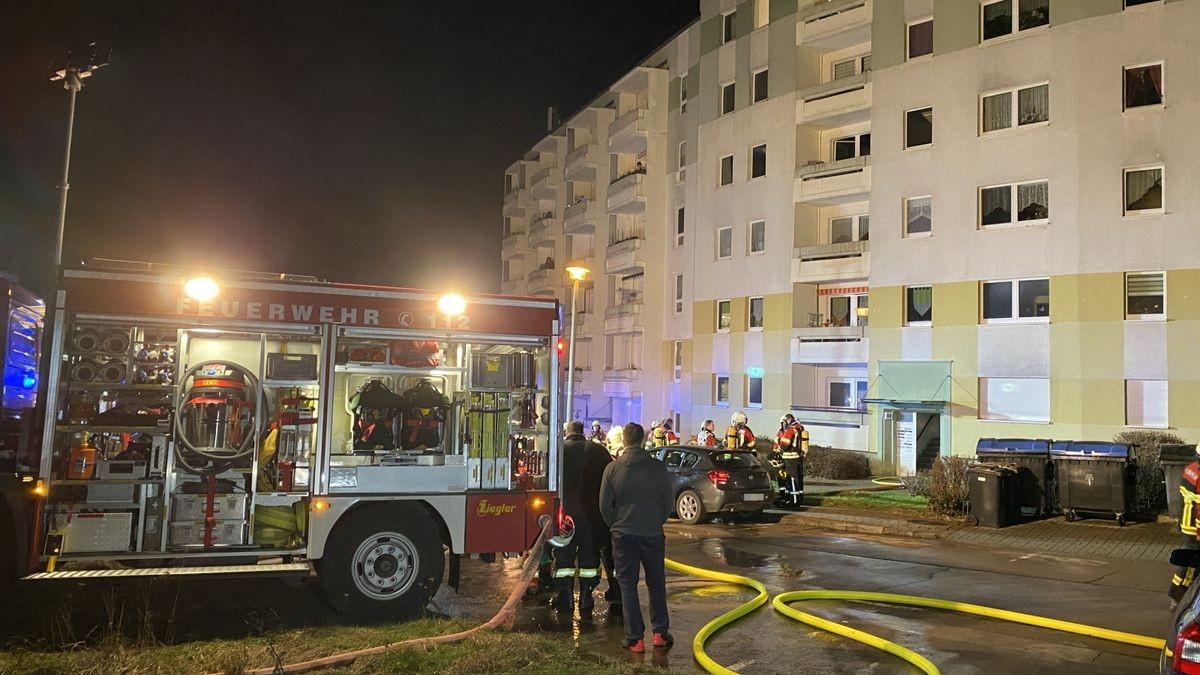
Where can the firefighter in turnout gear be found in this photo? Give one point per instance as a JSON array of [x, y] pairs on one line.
[[792, 442], [1189, 486], [598, 435], [663, 435], [739, 436], [582, 470], [707, 436]]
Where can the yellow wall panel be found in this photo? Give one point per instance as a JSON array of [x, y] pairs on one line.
[[777, 312], [1183, 295], [956, 304], [704, 315], [887, 306]]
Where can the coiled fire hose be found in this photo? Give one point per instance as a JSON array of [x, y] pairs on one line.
[[506, 612]]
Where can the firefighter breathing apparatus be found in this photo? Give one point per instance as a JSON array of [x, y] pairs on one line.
[[217, 416]]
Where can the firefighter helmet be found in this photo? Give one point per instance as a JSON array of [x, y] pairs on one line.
[[738, 419]]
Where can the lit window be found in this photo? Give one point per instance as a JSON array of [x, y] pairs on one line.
[[721, 390], [762, 13], [1146, 403], [918, 127], [848, 310], [997, 111], [1029, 201], [1143, 86], [1017, 299], [683, 94], [758, 161], [754, 392], [758, 236], [724, 315], [754, 312], [760, 86], [727, 92], [727, 170], [1145, 295], [997, 18], [920, 38], [724, 243], [1143, 190], [918, 216], [1014, 399], [918, 305]]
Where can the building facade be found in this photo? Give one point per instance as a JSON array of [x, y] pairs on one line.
[[724, 194]]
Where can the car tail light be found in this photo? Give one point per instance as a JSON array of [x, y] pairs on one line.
[[1186, 656], [719, 477]]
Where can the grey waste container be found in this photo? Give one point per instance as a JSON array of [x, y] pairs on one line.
[[1174, 458], [1093, 477], [994, 495], [1030, 457]]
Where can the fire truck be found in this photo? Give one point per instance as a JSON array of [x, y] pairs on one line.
[[268, 424]]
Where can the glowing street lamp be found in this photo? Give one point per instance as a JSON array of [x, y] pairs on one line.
[[577, 275], [201, 289], [452, 304]]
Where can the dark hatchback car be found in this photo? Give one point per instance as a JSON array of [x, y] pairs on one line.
[[714, 480]]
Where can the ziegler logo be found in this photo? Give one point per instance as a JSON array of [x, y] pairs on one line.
[[486, 509]]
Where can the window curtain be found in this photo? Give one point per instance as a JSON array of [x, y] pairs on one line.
[[839, 310], [1034, 13], [841, 230], [1033, 105], [997, 112], [920, 303], [995, 205], [1143, 190], [1033, 201], [920, 215], [864, 228]]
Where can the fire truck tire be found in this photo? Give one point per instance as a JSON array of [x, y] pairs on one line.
[[383, 562]]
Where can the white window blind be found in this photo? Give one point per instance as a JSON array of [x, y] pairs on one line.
[[1016, 399]]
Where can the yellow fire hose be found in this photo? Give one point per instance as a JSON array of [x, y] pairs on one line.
[[890, 481], [725, 619]]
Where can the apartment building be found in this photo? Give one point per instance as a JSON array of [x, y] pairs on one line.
[[724, 193]]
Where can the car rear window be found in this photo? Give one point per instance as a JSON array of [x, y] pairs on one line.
[[734, 460]]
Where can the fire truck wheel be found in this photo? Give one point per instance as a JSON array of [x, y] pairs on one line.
[[689, 507], [383, 562]]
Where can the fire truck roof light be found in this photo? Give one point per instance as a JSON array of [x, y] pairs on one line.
[[201, 289], [452, 304]]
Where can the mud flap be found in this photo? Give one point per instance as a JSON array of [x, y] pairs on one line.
[[455, 572]]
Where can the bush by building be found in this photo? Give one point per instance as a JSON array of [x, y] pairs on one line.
[[836, 464], [1149, 495], [948, 490]]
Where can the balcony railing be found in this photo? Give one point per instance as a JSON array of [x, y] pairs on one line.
[[625, 194], [833, 168], [836, 103], [628, 132], [833, 182], [823, 23], [830, 333], [623, 309], [578, 218], [849, 249], [580, 161]]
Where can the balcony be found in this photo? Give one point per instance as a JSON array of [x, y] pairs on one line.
[[541, 230], [624, 257], [581, 217], [541, 282], [582, 332], [834, 24], [829, 344], [831, 262], [513, 246], [623, 319], [513, 287], [622, 382], [628, 133], [838, 103], [513, 202], [839, 182], [627, 194], [582, 162], [544, 184]]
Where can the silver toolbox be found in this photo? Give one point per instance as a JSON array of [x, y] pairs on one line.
[[193, 507], [97, 532], [130, 469], [224, 533]]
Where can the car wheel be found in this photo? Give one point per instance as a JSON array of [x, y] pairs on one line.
[[383, 562], [689, 507]]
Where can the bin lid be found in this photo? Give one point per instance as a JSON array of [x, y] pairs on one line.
[[984, 444], [1090, 449], [1032, 446], [991, 469], [1177, 452]]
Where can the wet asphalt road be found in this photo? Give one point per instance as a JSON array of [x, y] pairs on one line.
[[1123, 595]]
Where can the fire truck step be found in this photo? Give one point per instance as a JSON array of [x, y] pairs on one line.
[[276, 568]]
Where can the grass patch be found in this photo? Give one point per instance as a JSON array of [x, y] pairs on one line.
[[487, 652], [897, 501]]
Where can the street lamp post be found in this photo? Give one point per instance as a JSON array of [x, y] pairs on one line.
[[577, 274]]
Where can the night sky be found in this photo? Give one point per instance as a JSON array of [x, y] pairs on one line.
[[354, 141]]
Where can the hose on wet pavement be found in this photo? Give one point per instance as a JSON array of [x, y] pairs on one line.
[[709, 629]]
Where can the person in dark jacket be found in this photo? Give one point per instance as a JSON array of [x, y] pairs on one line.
[[595, 459], [635, 500], [580, 489]]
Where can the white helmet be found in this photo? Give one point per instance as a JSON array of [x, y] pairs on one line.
[[783, 419], [596, 424], [616, 440], [738, 418]]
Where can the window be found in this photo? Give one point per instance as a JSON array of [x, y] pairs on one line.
[[727, 98], [760, 86], [1014, 399], [918, 305], [996, 111], [918, 216], [852, 146], [721, 390], [848, 310], [679, 294], [678, 371], [508, 270], [682, 154], [1030, 201], [679, 226], [727, 25], [1143, 191], [1146, 403], [1017, 299], [997, 18], [754, 313], [1145, 295], [753, 392], [845, 69], [1143, 86], [727, 170], [762, 13], [509, 183], [918, 127], [845, 229], [683, 94], [758, 236], [758, 161], [724, 315], [724, 243], [920, 38], [1134, 3], [846, 393]]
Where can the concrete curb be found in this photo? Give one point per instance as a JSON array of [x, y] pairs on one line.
[[844, 521]]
